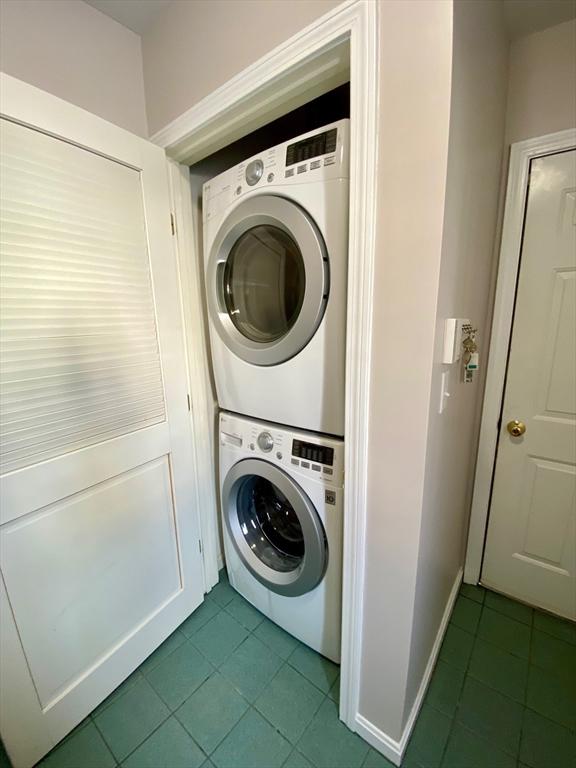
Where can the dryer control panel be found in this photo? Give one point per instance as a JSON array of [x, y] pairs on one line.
[[316, 156], [319, 456]]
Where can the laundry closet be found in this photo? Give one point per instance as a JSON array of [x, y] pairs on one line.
[[271, 214]]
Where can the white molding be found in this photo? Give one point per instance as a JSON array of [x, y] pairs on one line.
[[391, 749], [201, 401], [521, 156], [275, 78], [355, 21]]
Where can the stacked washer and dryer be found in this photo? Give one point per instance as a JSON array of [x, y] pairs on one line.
[[275, 249]]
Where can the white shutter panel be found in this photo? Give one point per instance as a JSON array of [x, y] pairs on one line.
[[79, 357]]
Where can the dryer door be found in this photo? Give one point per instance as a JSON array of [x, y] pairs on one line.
[[274, 527], [267, 280]]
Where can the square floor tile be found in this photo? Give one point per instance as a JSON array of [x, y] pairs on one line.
[[429, 738], [163, 651], [252, 743], [491, 715], [499, 670], [244, 613], [201, 616], [297, 760], [553, 625], [511, 635], [120, 691], [552, 696], [328, 743], [511, 608], [376, 760], [553, 655], [445, 687], [546, 744], [83, 747], [466, 614], [316, 668], [212, 711], [473, 592], [466, 750], [251, 667], [178, 676], [168, 747], [129, 720], [222, 594], [276, 638], [457, 647], [219, 638], [289, 702]]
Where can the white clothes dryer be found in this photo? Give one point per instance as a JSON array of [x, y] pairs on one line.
[[282, 501], [275, 249]]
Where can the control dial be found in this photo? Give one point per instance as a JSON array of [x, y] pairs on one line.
[[254, 172], [265, 442]]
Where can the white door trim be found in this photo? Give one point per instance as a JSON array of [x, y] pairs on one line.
[[521, 155], [356, 22]]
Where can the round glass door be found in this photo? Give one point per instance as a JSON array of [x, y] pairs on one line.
[[267, 280], [269, 524], [274, 527], [264, 283]]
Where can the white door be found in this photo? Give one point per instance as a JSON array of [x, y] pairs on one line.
[[531, 541], [98, 530]]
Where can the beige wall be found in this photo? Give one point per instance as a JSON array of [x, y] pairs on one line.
[[68, 48], [476, 149], [195, 47], [542, 85], [415, 71]]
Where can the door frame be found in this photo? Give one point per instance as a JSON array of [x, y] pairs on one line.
[[521, 155], [307, 64]]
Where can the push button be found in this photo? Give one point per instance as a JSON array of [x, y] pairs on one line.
[[305, 464], [296, 462], [316, 467], [328, 471]]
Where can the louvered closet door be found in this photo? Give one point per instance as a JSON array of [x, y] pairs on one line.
[[98, 535]]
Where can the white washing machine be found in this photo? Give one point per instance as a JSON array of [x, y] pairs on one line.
[[282, 502], [276, 252]]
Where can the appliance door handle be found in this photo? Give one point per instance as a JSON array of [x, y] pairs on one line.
[[220, 267]]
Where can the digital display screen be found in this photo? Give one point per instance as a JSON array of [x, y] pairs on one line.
[[313, 146], [320, 454]]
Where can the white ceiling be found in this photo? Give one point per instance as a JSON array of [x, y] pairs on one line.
[[522, 16], [526, 16], [137, 15]]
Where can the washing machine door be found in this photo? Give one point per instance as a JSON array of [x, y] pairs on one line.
[[274, 527], [267, 280]]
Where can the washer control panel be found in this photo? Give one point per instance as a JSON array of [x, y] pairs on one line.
[[318, 456]]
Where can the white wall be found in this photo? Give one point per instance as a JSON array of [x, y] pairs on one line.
[[195, 47], [73, 51], [475, 159], [542, 84]]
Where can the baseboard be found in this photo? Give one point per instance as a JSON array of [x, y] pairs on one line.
[[391, 749]]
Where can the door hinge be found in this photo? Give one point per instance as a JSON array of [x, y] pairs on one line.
[[189, 403], [172, 223]]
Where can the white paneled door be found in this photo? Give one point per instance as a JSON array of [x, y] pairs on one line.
[[99, 534], [531, 541]]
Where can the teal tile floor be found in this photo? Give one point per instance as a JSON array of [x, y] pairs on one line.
[[229, 689]]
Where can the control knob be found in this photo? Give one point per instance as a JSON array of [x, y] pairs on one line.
[[265, 442], [254, 172]]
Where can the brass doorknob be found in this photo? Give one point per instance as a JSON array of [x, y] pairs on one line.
[[516, 428]]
